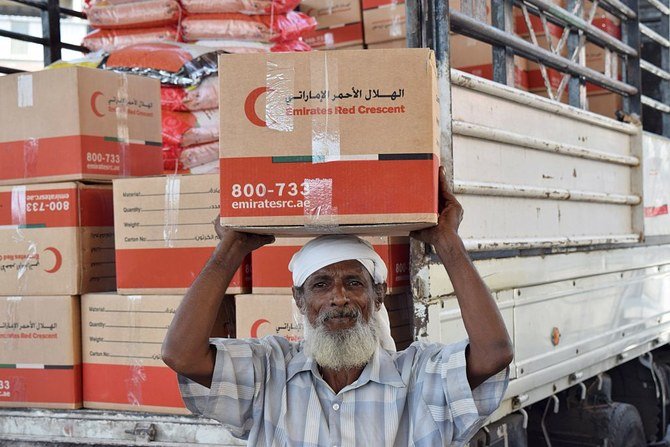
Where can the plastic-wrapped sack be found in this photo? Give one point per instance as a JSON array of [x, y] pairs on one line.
[[252, 7], [142, 14], [111, 40], [275, 28], [177, 158], [246, 46], [172, 63], [208, 168], [190, 128], [185, 99]]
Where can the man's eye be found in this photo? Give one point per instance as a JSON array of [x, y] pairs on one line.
[[319, 285], [355, 283]]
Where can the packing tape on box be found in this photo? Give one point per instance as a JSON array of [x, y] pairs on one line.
[[279, 85], [171, 210], [122, 131], [397, 26], [28, 259], [138, 376], [9, 327]]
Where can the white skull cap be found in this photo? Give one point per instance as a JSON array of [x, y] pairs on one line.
[[330, 249]]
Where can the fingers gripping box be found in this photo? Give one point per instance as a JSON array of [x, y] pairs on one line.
[[166, 233], [78, 124], [319, 142]]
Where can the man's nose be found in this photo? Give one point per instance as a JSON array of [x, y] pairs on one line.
[[340, 296]]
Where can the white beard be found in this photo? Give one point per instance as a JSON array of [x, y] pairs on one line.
[[347, 348]]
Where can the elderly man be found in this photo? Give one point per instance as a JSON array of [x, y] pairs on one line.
[[344, 385]]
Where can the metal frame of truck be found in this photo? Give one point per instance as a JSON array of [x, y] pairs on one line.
[[604, 295]]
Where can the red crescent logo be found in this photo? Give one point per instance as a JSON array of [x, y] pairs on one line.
[[250, 107], [94, 97], [59, 260], [254, 327]]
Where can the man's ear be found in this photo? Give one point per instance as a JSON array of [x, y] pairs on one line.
[[299, 298], [380, 293]]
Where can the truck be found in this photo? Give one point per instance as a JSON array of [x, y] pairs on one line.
[[566, 219]]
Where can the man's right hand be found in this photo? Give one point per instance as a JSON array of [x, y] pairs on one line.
[[238, 241]]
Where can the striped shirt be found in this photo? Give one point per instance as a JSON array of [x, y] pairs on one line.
[[267, 391]]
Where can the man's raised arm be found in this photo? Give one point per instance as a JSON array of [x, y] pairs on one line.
[[490, 349], [186, 346]]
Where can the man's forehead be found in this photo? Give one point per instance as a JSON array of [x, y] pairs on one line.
[[349, 267]]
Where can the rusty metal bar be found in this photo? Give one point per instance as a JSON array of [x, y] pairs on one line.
[[653, 35], [515, 139], [466, 25], [621, 8], [658, 105], [594, 34], [660, 6], [536, 192], [520, 244], [472, 82], [653, 69]]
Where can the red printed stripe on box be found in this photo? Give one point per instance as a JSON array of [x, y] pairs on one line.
[[270, 264], [96, 207], [75, 155], [168, 268], [40, 208], [48, 386], [132, 385], [258, 186], [653, 211]]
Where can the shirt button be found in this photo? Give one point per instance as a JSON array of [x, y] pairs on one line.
[[336, 407]]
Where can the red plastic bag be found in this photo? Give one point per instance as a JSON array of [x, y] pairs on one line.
[[138, 14], [184, 99], [183, 129], [276, 28], [171, 62], [112, 40], [253, 7]]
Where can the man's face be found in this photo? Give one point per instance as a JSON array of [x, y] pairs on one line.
[[337, 293]]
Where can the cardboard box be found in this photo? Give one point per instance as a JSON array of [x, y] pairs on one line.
[[258, 316], [56, 238], [299, 158], [391, 44], [270, 264], [263, 315], [40, 352], [477, 9], [385, 22], [165, 234], [605, 103], [329, 13], [335, 37], [121, 342], [476, 57], [95, 125]]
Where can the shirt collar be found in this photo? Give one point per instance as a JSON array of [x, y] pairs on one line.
[[381, 369]]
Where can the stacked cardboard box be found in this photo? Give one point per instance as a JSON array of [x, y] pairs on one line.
[[299, 162], [164, 236], [339, 24], [384, 23], [56, 239]]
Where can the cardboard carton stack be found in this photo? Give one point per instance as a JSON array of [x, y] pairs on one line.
[[56, 230], [164, 236], [339, 24]]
